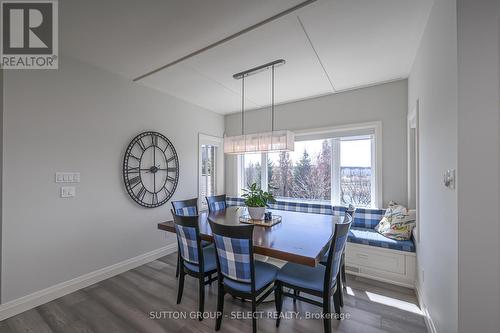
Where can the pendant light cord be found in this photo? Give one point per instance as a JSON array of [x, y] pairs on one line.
[[243, 105], [272, 99]]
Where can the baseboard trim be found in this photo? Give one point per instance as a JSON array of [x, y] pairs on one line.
[[427, 316], [43, 296]]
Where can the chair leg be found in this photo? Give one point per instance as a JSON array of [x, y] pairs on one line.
[[340, 290], [201, 293], [178, 265], [278, 299], [181, 287], [336, 302], [295, 294], [327, 321], [254, 319], [342, 268], [220, 307]]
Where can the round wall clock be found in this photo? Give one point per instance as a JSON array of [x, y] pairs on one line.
[[150, 169]]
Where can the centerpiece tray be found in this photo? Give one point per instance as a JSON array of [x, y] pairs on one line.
[[263, 223]]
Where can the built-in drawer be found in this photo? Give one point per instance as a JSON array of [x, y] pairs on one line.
[[372, 257]]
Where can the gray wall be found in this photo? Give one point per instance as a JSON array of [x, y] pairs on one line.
[[479, 165], [386, 102], [433, 81], [80, 118]]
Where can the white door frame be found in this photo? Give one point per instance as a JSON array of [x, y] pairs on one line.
[[205, 139]]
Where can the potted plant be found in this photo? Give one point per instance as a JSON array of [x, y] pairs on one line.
[[256, 201]]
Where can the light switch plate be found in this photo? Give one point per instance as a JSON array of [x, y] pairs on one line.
[[67, 177], [68, 191]]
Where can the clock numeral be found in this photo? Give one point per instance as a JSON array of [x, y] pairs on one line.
[[171, 159], [133, 170], [141, 144], [167, 192], [142, 192], [135, 157], [171, 179], [154, 200], [173, 169], [133, 182], [154, 140]]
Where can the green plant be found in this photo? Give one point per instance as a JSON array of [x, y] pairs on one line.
[[255, 197]]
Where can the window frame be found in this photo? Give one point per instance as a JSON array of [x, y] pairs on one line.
[[372, 128]]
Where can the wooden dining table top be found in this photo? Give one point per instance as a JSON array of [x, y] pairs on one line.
[[300, 238]]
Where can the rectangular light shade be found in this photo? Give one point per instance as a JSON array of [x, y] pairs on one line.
[[259, 142]]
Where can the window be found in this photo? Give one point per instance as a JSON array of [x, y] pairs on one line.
[[336, 168], [302, 174], [356, 172], [253, 170]]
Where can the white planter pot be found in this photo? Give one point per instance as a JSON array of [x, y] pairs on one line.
[[256, 213]]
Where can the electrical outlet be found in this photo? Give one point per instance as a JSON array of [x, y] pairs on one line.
[[68, 192]]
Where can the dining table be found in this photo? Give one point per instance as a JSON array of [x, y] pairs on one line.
[[300, 237]]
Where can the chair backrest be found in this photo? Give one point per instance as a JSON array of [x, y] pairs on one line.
[[186, 207], [216, 203], [351, 210], [234, 247], [188, 238], [337, 245]]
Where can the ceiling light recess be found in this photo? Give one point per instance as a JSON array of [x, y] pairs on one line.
[[272, 141]]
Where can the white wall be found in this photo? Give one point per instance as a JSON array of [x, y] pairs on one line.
[[385, 102], [479, 165], [433, 81], [80, 118]]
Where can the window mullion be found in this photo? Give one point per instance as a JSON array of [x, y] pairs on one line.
[[335, 172], [263, 172]]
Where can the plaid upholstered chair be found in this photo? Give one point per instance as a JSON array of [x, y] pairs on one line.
[[195, 260], [216, 203], [321, 281], [238, 274], [187, 207]]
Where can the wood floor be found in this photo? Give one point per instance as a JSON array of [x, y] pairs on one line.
[[126, 303]]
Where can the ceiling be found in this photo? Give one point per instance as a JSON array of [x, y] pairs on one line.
[[329, 46]]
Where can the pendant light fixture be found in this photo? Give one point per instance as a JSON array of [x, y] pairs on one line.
[[273, 141]]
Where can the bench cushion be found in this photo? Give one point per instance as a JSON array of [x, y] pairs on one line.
[[371, 237]]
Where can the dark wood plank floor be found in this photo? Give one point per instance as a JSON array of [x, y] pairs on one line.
[[126, 303]]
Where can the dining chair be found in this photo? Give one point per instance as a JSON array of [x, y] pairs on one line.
[[238, 273], [187, 207], [320, 281], [195, 260], [216, 203]]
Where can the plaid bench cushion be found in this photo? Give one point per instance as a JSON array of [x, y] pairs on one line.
[[373, 238], [304, 207]]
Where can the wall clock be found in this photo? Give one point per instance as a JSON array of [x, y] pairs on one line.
[[150, 169]]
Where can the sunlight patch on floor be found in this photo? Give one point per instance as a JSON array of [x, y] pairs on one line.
[[396, 303]]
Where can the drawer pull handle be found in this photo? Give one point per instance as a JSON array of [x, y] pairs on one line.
[[362, 256]]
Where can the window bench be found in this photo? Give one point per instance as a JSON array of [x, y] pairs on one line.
[[368, 253]]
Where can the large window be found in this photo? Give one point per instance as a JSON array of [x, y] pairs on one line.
[[337, 169]]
